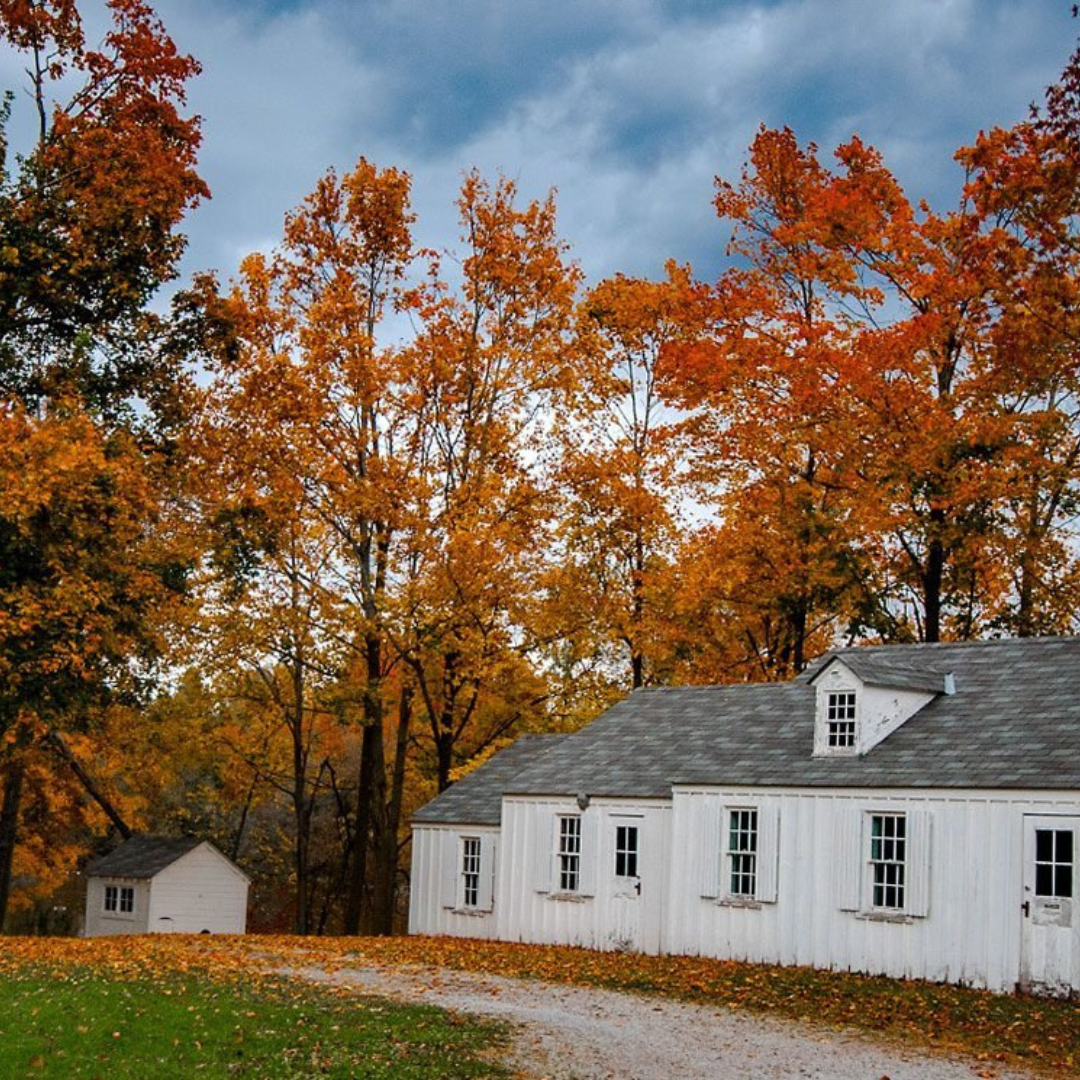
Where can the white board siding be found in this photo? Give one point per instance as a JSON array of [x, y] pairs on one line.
[[102, 923], [436, 851], [530, 909], [201, 891], [971, 932]]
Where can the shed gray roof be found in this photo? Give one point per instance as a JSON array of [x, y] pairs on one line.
[[142, 856], [476, 799], [1014, 722]]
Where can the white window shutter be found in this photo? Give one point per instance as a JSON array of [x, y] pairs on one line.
[[918, 862], [712, 827], [449, 865], [590, 852], [543, 853], [486, 895], [848, 857], [768, 853]]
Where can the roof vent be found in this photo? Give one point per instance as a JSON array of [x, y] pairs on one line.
[[950, 683]]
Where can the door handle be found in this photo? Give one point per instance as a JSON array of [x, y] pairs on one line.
[[1025, 907]]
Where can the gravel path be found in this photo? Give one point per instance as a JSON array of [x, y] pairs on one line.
[[574, 1033]]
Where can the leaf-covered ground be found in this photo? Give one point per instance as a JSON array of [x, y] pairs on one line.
[[135, 1009], [989, 1027]]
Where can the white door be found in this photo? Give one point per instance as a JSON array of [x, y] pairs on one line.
[[1050, 940], [626, 834]]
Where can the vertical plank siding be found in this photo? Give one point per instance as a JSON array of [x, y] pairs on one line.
[[200, 892], [972, 877], [434, 886], [963, 889]]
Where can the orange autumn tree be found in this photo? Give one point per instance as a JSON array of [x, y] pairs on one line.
[[1026, 181], [973, 389], [491, 358], [316, 407], [85, 584], [771, 432], [625, 492], [88, 215], [900, 363]]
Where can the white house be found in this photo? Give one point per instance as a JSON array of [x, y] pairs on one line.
[[905, 810], [165, 885]]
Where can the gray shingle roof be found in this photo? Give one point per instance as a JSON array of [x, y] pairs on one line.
[[476, 799], [142, 856], [1014, 722]]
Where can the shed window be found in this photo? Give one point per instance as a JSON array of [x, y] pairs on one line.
[[742, 852], [888, 860], [470, 871], [626, 851], [569, 854], [740, 858], [1054, 863], [840, 720], [120, 898]]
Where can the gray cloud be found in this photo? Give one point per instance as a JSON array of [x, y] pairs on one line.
[[628, 107]]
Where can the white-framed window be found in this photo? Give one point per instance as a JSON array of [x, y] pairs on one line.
[[569, 853], [626, 851], [566, 849], [741, 851], [1054, 863], [888, 861], [883, 861], [120, 899], [840, 720], [466, 871], [470, 871]]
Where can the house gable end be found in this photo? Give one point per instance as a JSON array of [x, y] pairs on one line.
[[205, 853]]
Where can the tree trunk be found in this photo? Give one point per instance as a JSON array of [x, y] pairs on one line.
[[56, 741], [361, 910], [444, 756], [9, 827], [932, 584]]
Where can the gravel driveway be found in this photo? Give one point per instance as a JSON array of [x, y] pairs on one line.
[[575, 1033]]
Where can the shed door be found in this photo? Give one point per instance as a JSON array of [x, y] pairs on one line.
[[1050, 940], [626, 868]]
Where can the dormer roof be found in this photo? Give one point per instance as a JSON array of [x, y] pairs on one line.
[[876, 668]]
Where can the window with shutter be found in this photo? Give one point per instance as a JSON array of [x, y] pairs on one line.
[[883, 862]]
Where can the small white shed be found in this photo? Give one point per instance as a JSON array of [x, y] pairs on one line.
[[165, 885]]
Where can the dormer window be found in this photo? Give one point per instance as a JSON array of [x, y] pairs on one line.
[[862, 697], [840, 721]]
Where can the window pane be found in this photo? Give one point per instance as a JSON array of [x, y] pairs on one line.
[[1064, 881], [1063, 848], [1044, 845], [1044, 880]]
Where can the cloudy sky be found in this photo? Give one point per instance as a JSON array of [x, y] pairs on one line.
[[629, 108]]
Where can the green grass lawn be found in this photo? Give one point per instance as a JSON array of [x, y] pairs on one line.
[[86, 1024]]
